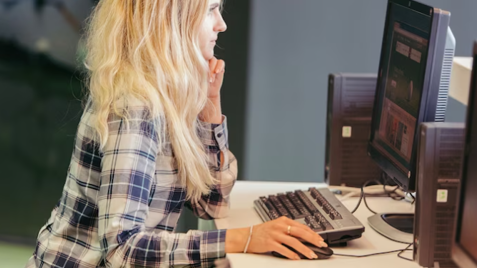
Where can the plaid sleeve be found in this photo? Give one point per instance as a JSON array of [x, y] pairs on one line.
[[223, 167], [127, 170]]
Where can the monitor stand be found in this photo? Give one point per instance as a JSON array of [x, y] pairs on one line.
[[395, 226]]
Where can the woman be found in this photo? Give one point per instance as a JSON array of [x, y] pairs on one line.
[[151, 140]]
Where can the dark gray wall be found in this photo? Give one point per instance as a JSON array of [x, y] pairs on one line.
[[294, 46], [232, 47]]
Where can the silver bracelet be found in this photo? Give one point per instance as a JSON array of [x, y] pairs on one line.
[[249, 238]]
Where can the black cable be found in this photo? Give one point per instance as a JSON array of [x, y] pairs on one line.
[[393, 193], [386, 181], [362, 196], [366, 203], [404, 258], [397, 197], [359, 202], [377, 253], [413, 199]]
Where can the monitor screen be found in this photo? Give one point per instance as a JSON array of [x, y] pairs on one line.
[[403, 80], [464, 251]]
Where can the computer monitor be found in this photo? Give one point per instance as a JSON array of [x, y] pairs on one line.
[[464, 248], [413, 82]]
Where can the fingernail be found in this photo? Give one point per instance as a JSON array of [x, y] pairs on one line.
[[323, 244], [313, 255], [211, 80], [296, 258]]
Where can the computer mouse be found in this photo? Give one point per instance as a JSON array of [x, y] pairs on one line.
[[322, 253]]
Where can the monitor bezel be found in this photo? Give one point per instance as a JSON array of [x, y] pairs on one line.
[[459, 254]]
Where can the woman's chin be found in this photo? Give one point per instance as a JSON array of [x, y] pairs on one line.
[[208, 55]]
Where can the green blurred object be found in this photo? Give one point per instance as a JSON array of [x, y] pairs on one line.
[[13, 256], [41, 108]]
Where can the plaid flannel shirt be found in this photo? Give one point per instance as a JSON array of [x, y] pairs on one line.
[[120, 205]]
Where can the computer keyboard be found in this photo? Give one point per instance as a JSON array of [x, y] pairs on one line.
[[317, 208]]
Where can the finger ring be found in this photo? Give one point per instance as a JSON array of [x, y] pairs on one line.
[[289, 229]]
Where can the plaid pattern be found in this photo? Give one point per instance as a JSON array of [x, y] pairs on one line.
[[120, 205]]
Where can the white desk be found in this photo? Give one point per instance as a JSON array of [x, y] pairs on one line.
[[242, 214]]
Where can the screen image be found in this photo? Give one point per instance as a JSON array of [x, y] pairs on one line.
[[403, 87]]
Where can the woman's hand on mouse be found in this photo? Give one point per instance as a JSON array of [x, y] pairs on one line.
[[270, 236]]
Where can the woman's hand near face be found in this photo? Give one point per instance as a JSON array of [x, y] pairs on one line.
[[212, 111], [216, 77]]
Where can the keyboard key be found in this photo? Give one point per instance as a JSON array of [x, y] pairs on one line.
[[306, 201], [323, 221], [290, 207], [313, 192], [332, 212], [269, 208], [336, 215], [319, 217], [304, 211], [312, 223], [298, 204], [274, 215], [279, 206], [318, 197], [326, 208], [326, 225]]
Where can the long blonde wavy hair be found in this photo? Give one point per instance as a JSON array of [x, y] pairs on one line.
[[149, 49]]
